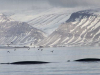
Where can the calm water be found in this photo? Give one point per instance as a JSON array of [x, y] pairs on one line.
[[58, 57]]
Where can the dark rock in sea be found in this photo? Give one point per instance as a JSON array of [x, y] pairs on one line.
[[88, 60]]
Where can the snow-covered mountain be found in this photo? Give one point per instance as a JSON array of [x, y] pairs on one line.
[[63, 28], [81, 29], [46, 20], [50, 20], [18, 32], [48, 23]]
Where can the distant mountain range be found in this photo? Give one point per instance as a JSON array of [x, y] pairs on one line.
[[47, 21], [81, 29]]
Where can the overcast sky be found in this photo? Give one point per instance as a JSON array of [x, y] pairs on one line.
[[26, 4], [75, 3]]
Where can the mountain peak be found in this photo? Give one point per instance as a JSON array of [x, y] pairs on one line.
[[4, 18], [1, 14]]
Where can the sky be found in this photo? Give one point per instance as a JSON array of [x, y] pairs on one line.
[[75, 3], [26, 9], [11, 5]]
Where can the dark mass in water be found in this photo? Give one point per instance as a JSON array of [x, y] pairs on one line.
[[27, 62], [88, 60]]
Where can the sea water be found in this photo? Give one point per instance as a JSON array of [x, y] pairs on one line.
[[57, 56]]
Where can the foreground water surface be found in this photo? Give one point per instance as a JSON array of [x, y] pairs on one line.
[[57, 56]]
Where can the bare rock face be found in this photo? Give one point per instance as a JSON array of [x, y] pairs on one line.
[[81, 29]]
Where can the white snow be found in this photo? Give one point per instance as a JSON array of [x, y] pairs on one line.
[[55, 42]]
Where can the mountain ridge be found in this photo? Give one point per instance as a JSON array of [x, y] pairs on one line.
[[81, 29]]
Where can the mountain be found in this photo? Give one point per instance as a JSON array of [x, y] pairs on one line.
[[46, 18], [50, 20], [81, 29], [18, 32], [48, 23]]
